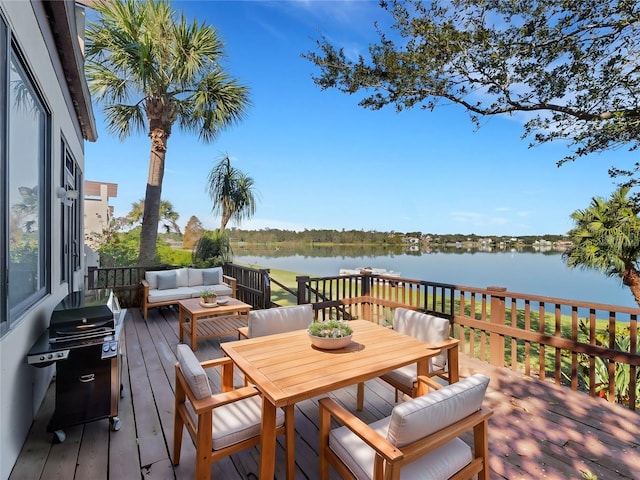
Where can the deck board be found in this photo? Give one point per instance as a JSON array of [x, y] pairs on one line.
[[538, 430]]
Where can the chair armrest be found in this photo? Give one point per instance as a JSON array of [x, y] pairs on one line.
[[145, 287], [450, 347], [427, 383], [361, 429], [215, 362], [439, 438], [218, 399], [227, 371], [232, 282], [450, 343], [243, 332], [445, 344]]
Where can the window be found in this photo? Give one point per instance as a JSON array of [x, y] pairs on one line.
[[4, 40], [71, 221], [25, 204]]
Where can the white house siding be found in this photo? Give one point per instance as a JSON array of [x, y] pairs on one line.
[[22, 387]]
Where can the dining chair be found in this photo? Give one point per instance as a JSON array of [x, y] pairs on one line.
[[434, 331], [220, 424], [270, 321], [420, 439]]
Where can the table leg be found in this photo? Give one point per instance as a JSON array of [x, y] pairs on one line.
[[181, 320], [423, 367], [360, 397], [194, 333], [290, 441], [268, 440]]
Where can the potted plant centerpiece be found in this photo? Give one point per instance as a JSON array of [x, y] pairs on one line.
[[330, 335], [208, 298]]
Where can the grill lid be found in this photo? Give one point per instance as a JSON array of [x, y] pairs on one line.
[[94, 316]]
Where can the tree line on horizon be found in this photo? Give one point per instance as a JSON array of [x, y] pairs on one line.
[[275, 235]]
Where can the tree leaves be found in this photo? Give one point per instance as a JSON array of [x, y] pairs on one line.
[[572, 66]]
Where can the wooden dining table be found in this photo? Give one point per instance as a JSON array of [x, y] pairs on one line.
[[287, 369]]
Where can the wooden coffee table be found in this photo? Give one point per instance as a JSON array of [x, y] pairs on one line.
[[208, 322]]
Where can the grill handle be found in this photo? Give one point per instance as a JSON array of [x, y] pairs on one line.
[[89, 377]]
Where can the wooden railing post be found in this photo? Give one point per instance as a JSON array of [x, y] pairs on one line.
[[496, 342], [302, 289], [266, 287], [91, 277], [365, 283]]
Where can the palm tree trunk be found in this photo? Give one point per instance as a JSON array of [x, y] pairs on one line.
[[631, 278], [151, 218], [226, 216]]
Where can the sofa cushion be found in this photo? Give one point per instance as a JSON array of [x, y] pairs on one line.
[[221, 290], [167, 280], [152, 278], [193, 372], [196, 276], [212, 276], [182, 277], [171, 295], [424, 415], [279, 320]]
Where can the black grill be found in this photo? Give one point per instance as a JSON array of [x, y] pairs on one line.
[[84, 340]]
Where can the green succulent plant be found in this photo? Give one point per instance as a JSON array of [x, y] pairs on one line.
[[208, 295], [330, 329]]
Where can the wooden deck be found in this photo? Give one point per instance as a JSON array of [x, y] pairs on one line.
[[538, 430]]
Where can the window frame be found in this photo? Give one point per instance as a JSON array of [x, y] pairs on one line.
[[10, 52]]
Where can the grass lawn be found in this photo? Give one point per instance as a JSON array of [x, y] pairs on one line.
[[278, 294]]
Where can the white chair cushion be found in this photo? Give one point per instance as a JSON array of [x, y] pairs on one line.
[[237, 421], [442, 463], [428, 328], [279, 320], [193, 372], [407, 375], [422, 416]]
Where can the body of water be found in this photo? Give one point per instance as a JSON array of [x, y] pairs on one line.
[[524, 272]]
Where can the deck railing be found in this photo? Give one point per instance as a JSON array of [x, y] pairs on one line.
[[254, 284], [124, 281], [578, 344]]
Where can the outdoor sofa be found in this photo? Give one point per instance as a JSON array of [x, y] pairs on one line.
[[167, 287]]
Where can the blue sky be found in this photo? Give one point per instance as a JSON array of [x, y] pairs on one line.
[[320, 161]]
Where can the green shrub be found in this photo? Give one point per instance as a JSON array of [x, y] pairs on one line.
[[212, 250]]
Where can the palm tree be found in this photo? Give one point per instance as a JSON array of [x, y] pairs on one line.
[[153, 70], [168, 215], [606, 237], [232, 192]]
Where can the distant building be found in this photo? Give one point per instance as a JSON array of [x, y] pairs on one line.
[[97, 211]]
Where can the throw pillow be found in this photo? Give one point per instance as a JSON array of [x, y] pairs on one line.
[[167, 280], [212, 276]]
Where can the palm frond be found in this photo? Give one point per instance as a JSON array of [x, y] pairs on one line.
[[123, 120]]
